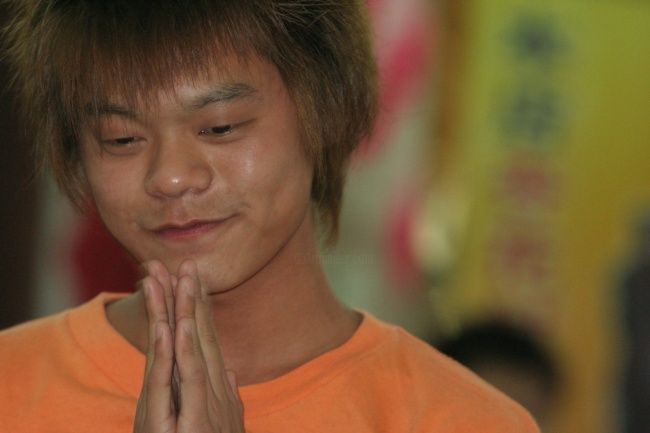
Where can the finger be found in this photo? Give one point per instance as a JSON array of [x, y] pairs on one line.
[[159, 409], [156, 313], [185, 292], [158, 270], [209, 344], [169, 282], [208, 387], [193, 381], [224, 398], [155, 305], [202, 314], [184, 311], [232, 380], [155, 397]]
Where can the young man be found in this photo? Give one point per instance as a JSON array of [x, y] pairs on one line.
[[212, 138]]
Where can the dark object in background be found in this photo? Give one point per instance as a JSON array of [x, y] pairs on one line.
[[17, 212], [99, 262], [510, 359], [636, 304]]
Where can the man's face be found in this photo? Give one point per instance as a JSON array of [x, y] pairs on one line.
[[216, 173]]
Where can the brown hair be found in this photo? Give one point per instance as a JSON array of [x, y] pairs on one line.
[[68, 55]]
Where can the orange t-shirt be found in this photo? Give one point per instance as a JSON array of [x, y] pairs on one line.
[[73, 372]]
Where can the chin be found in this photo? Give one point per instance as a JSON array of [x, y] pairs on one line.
[[215, 278]]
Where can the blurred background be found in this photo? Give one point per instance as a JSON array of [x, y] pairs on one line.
[[501, 211]]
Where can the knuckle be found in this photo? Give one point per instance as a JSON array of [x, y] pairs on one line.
[[158, 380], [150, 281], [143, 269], [208, 335], [193, 376]]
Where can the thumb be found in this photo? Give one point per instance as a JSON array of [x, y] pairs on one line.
[[232, 380]]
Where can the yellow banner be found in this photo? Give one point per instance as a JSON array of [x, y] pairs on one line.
[[551, 165]]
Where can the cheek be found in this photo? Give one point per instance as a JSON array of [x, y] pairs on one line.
[[113, 194], [275, 165], [111, 204], [276, 175]]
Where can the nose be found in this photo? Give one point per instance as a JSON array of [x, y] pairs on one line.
[[177, 169]]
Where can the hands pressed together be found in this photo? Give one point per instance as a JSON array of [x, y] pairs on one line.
[[186, 387]]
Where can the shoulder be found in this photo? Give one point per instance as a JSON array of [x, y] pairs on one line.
[[44, 340], [59, 366], [443, 391], [30, 354], [31, 337], [35, 347], [49, 345]]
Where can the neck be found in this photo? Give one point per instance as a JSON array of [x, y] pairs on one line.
[[267, 331], [280, 318]]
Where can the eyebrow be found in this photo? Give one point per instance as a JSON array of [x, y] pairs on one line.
[[222, 94], [108, 109]]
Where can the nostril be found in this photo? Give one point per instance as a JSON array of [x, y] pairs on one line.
[[178, 169], [190, 180]]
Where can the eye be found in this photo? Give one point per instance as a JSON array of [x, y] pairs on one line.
[[121, 141], [121, 145], [217, 130]]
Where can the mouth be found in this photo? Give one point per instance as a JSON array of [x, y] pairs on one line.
[[188, 230]]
